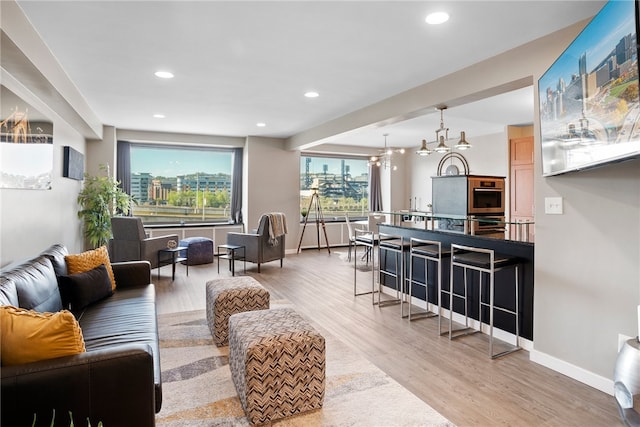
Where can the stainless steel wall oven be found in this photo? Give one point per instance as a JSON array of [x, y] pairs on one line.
[[485, 196]]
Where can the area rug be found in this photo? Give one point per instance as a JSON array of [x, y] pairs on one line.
[[198, 391]]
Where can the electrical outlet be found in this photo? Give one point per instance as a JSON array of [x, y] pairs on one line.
[[553, 205]]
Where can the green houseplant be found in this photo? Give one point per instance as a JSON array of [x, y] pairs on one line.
[[100, 199]]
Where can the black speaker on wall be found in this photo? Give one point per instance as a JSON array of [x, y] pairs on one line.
[[73, 166]]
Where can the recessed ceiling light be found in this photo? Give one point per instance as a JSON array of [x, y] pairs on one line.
[[437, 18], [261, 124], [159, 116], [164, 74], [312, 94]]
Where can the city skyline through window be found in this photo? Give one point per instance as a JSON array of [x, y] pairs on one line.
[[342, 185], [179, 184]]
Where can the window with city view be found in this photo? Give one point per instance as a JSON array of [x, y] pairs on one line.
[[174, 184], [342, 184]]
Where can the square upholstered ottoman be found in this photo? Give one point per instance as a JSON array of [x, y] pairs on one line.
[[277, 362], [199, 250], [232, 295]]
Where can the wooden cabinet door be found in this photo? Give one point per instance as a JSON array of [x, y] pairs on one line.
[[521, 182], [522, 191], [521, 150]]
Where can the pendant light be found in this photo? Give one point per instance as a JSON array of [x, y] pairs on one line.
[[462, 144], [442, 136], [442, 147], [385, 156], [424, 150]]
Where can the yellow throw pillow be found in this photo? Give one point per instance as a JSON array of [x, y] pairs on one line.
[[86, 261], [28, 336]]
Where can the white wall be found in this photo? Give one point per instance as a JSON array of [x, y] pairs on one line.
[[587, 275], [31, 220], [488, 156], [102, 152], [271, 184]]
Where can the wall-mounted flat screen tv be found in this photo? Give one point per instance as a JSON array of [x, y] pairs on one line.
[[589, 101]]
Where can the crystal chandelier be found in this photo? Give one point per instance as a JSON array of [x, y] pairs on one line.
[[442, 136], [384, 158]]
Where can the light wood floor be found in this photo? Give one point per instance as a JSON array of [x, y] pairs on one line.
[[456, 378]]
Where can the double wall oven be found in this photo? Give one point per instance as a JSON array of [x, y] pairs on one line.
[[479, 199]]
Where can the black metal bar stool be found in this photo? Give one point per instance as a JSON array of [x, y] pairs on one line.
[[369, 241], [397, 246], [484, 261], [427, 251]]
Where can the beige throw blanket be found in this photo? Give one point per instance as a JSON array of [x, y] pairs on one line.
[[277, 226]]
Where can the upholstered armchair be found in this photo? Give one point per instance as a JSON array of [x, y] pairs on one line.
[[130, 242], [260, 246]]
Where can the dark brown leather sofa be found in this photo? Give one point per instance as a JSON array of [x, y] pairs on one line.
[[117, 381]]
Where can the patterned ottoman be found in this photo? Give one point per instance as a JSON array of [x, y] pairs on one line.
[[232, 295], [277, 363], [199, 250]]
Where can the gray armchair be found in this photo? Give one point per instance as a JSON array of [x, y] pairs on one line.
[[130, 242], [259, 247]]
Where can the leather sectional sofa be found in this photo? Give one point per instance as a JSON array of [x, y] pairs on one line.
[[116, 381]]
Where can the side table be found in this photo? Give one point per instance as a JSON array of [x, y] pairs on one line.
[[232, 255], [171, 256]]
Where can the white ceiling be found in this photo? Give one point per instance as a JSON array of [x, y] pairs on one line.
[[237, 63]]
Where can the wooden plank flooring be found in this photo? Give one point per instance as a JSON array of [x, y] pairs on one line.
[[456, 378]]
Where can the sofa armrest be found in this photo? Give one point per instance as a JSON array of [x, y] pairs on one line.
[[250, 241], [115, 386], [131, 274], [150, 247], [234, 238]]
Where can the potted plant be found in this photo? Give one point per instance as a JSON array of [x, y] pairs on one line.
[[100, 199]]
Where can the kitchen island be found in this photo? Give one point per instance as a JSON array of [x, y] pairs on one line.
[[504, 289]]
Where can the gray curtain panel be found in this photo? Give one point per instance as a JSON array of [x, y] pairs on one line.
[[375, 190], [123, 166], [236, 187]]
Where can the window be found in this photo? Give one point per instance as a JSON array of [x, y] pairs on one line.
[[341, 183], [179, 184]]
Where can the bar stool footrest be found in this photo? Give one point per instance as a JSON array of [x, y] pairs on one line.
[[462, 332], [504, 353], [385, 303], [417, 315]]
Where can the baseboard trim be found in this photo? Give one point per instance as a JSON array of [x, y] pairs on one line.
[[596, 381]]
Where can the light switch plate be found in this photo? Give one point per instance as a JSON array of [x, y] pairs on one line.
[[553, 205]]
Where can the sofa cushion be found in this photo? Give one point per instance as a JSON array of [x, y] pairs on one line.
[[8, 292], [36, 286], [81, 289], [127, 317], [79, 263], [56, 254], [28, 336]]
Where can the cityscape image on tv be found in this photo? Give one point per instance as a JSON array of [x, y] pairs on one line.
[[589, 101]]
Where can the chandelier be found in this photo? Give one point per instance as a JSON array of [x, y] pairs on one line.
[[442, 137], [384, 158]]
